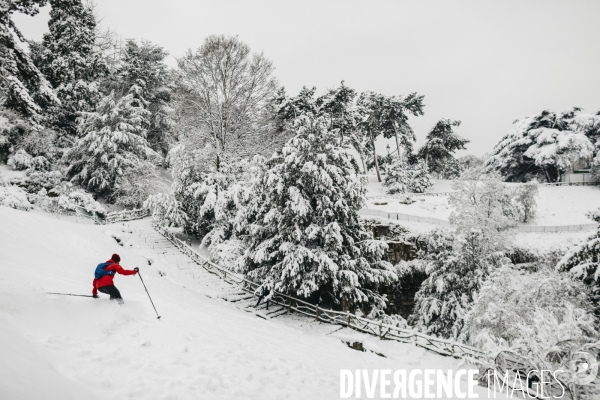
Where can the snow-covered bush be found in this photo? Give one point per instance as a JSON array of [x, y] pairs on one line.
[[20, 160], [166, 210], [136, 185], [583, 261], [420, 180], [525, 202], [81, 199], [529, 312], [14, 197], [395, 320], [34, 181], [305, 236]]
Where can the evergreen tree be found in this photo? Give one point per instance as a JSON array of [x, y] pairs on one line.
[[395, 120], [144, 73], [372, 107], [22, 87], [338, 105], [456, 275], [69, 59], [398, 176], [305, 235], [388, 116], [419, 181], [441, 143], [583, 261], [113, 146], [541, 146]]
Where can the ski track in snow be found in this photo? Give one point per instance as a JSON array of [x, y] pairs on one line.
[[62, 347]]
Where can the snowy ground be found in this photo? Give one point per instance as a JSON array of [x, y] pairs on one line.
[[557, 205], [7, 173], [60, 347]]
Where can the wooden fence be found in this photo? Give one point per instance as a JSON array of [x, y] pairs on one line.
[[384, 332], [50, 204]]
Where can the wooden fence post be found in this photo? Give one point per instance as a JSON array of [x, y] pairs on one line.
[[317, 312]]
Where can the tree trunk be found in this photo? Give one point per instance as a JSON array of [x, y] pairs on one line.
[[362, 160], [397, 141], [547, 175], [375, 155], [426, 159]]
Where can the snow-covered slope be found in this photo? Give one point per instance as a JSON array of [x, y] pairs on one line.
[[61, 347]]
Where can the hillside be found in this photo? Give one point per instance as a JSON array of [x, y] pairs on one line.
[[61, 347]]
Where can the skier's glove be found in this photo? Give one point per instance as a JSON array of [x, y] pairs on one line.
[[136, 269], [96, 296]]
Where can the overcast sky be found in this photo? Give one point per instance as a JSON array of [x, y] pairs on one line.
[[482, 62]]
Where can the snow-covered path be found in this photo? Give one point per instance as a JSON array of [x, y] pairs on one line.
[[61, 347]]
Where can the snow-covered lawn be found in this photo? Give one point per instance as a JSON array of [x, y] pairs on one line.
[[60, 347], [557, 205]]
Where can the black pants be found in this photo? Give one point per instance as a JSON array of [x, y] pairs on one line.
[[112, 291]]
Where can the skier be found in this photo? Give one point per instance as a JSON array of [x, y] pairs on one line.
[[103, 278]]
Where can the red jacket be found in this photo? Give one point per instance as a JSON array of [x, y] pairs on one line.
[[108, 279]]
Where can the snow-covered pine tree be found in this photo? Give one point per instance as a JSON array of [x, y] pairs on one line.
[[68, 57], [305, 235], [455, 278], [388, 116], [398, 176], [395, 113], [540, 146], [22, 87], [144, 72], [583, 261], [113, 145], [419, 179], [442, 142], [338, 105]]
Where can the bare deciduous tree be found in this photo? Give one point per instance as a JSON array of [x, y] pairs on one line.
[[224, 99]]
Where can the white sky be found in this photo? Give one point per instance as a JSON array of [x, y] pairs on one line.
[[481, 62]]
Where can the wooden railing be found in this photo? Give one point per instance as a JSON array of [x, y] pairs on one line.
[[128, 215], [440, 346]]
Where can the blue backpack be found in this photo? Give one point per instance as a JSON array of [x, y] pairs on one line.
[[100, 270]]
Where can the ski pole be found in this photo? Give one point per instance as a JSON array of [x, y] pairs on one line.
[[140, 275], [70, 294]]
